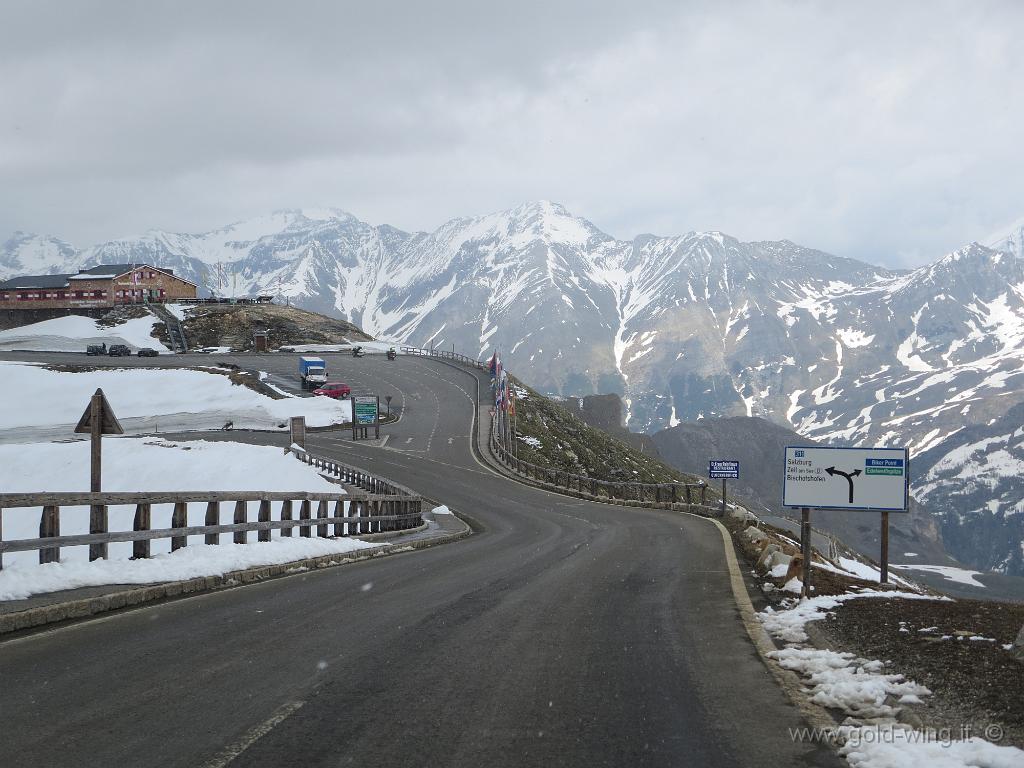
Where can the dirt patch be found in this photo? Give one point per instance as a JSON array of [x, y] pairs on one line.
[[226, 325], [975, 683], [123, 314]]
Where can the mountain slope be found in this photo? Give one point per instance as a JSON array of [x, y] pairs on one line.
[[683, 327]]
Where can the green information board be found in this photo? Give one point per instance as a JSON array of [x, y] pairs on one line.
[[365, 410]]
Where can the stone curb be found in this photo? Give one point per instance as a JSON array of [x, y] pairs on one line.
[[81, 609]]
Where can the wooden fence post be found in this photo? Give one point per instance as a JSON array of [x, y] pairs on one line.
[[212, 518], [286, 514], [98, 524], [49, 525], [304, 530], [143, 522], [339, 511], [264, 517], [321, 512], [240, 515], [179, 519]]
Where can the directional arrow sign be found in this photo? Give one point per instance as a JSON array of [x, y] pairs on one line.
[[846, 478], [109, 425], [848, 475]]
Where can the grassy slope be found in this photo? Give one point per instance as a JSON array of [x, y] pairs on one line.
[[215, 325], [567, 443]]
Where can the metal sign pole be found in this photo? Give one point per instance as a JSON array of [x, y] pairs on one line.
[[805, 548], [723, 497], [376, 420], [884, 577]]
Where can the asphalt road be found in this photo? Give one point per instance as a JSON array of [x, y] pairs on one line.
[[562, 633]]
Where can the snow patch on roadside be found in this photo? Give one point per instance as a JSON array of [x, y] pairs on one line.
[[74, 333], [862, 688], [36, 397], [19, 581]]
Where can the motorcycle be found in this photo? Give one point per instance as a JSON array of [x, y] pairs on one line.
[[357, 352], [392, 355]]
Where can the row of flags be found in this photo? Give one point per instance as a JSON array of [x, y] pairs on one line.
[[501, 386]]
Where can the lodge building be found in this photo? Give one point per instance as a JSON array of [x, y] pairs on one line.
[[107, 285]]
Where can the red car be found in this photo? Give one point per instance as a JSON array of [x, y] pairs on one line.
[[335, 389]]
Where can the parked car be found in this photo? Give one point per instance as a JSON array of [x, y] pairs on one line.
[[96, 349], [335, 389], [119, 350], [147, 352]]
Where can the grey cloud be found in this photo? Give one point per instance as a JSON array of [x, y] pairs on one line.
[[876, 131]]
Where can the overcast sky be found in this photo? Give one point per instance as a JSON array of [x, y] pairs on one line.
[[890, 132]]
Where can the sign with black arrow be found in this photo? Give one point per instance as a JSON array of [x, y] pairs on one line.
[[846, 478]]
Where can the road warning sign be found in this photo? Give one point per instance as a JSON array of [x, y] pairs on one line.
[[846, 478]]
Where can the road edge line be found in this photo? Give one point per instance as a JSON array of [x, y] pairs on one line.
[[791, 685], [35, 618]]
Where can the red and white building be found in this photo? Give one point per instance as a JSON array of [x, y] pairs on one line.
[[104, 286]]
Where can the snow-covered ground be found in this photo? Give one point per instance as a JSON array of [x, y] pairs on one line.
[[180, 311], [74, 333], [370, 347], [42, 404], [150, 464], [959, 575], [871, 736]]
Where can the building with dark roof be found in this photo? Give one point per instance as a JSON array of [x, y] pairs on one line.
[[106, 285]]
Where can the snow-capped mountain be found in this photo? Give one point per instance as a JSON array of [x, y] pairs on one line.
[[683, 327], [24, 254], [974, 483]]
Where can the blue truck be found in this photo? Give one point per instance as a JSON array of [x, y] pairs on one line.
[[313, 372]]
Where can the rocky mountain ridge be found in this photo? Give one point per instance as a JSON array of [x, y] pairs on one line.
[[683, 327]]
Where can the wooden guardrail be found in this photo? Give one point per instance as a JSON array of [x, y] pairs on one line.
[[612, 490], [472, 362], [380, 505], [693, 495]]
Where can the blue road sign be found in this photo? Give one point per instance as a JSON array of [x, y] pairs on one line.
[[723, 469]]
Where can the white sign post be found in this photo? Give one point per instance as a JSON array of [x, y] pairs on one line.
[[724, 469], [874, 479]]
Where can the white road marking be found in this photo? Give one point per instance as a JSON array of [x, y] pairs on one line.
[[230, 752], [408, 440]]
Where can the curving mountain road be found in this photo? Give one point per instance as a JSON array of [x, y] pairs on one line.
[[563, 633]]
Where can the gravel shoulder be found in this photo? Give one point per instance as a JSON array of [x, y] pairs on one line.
[[975, 683]]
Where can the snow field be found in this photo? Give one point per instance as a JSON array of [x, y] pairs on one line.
[[74, 333], [167, 399], [152, 465]]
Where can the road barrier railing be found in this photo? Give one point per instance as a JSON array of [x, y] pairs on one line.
[[441, 354], [688, 496], [378, 506], [670, 495]]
